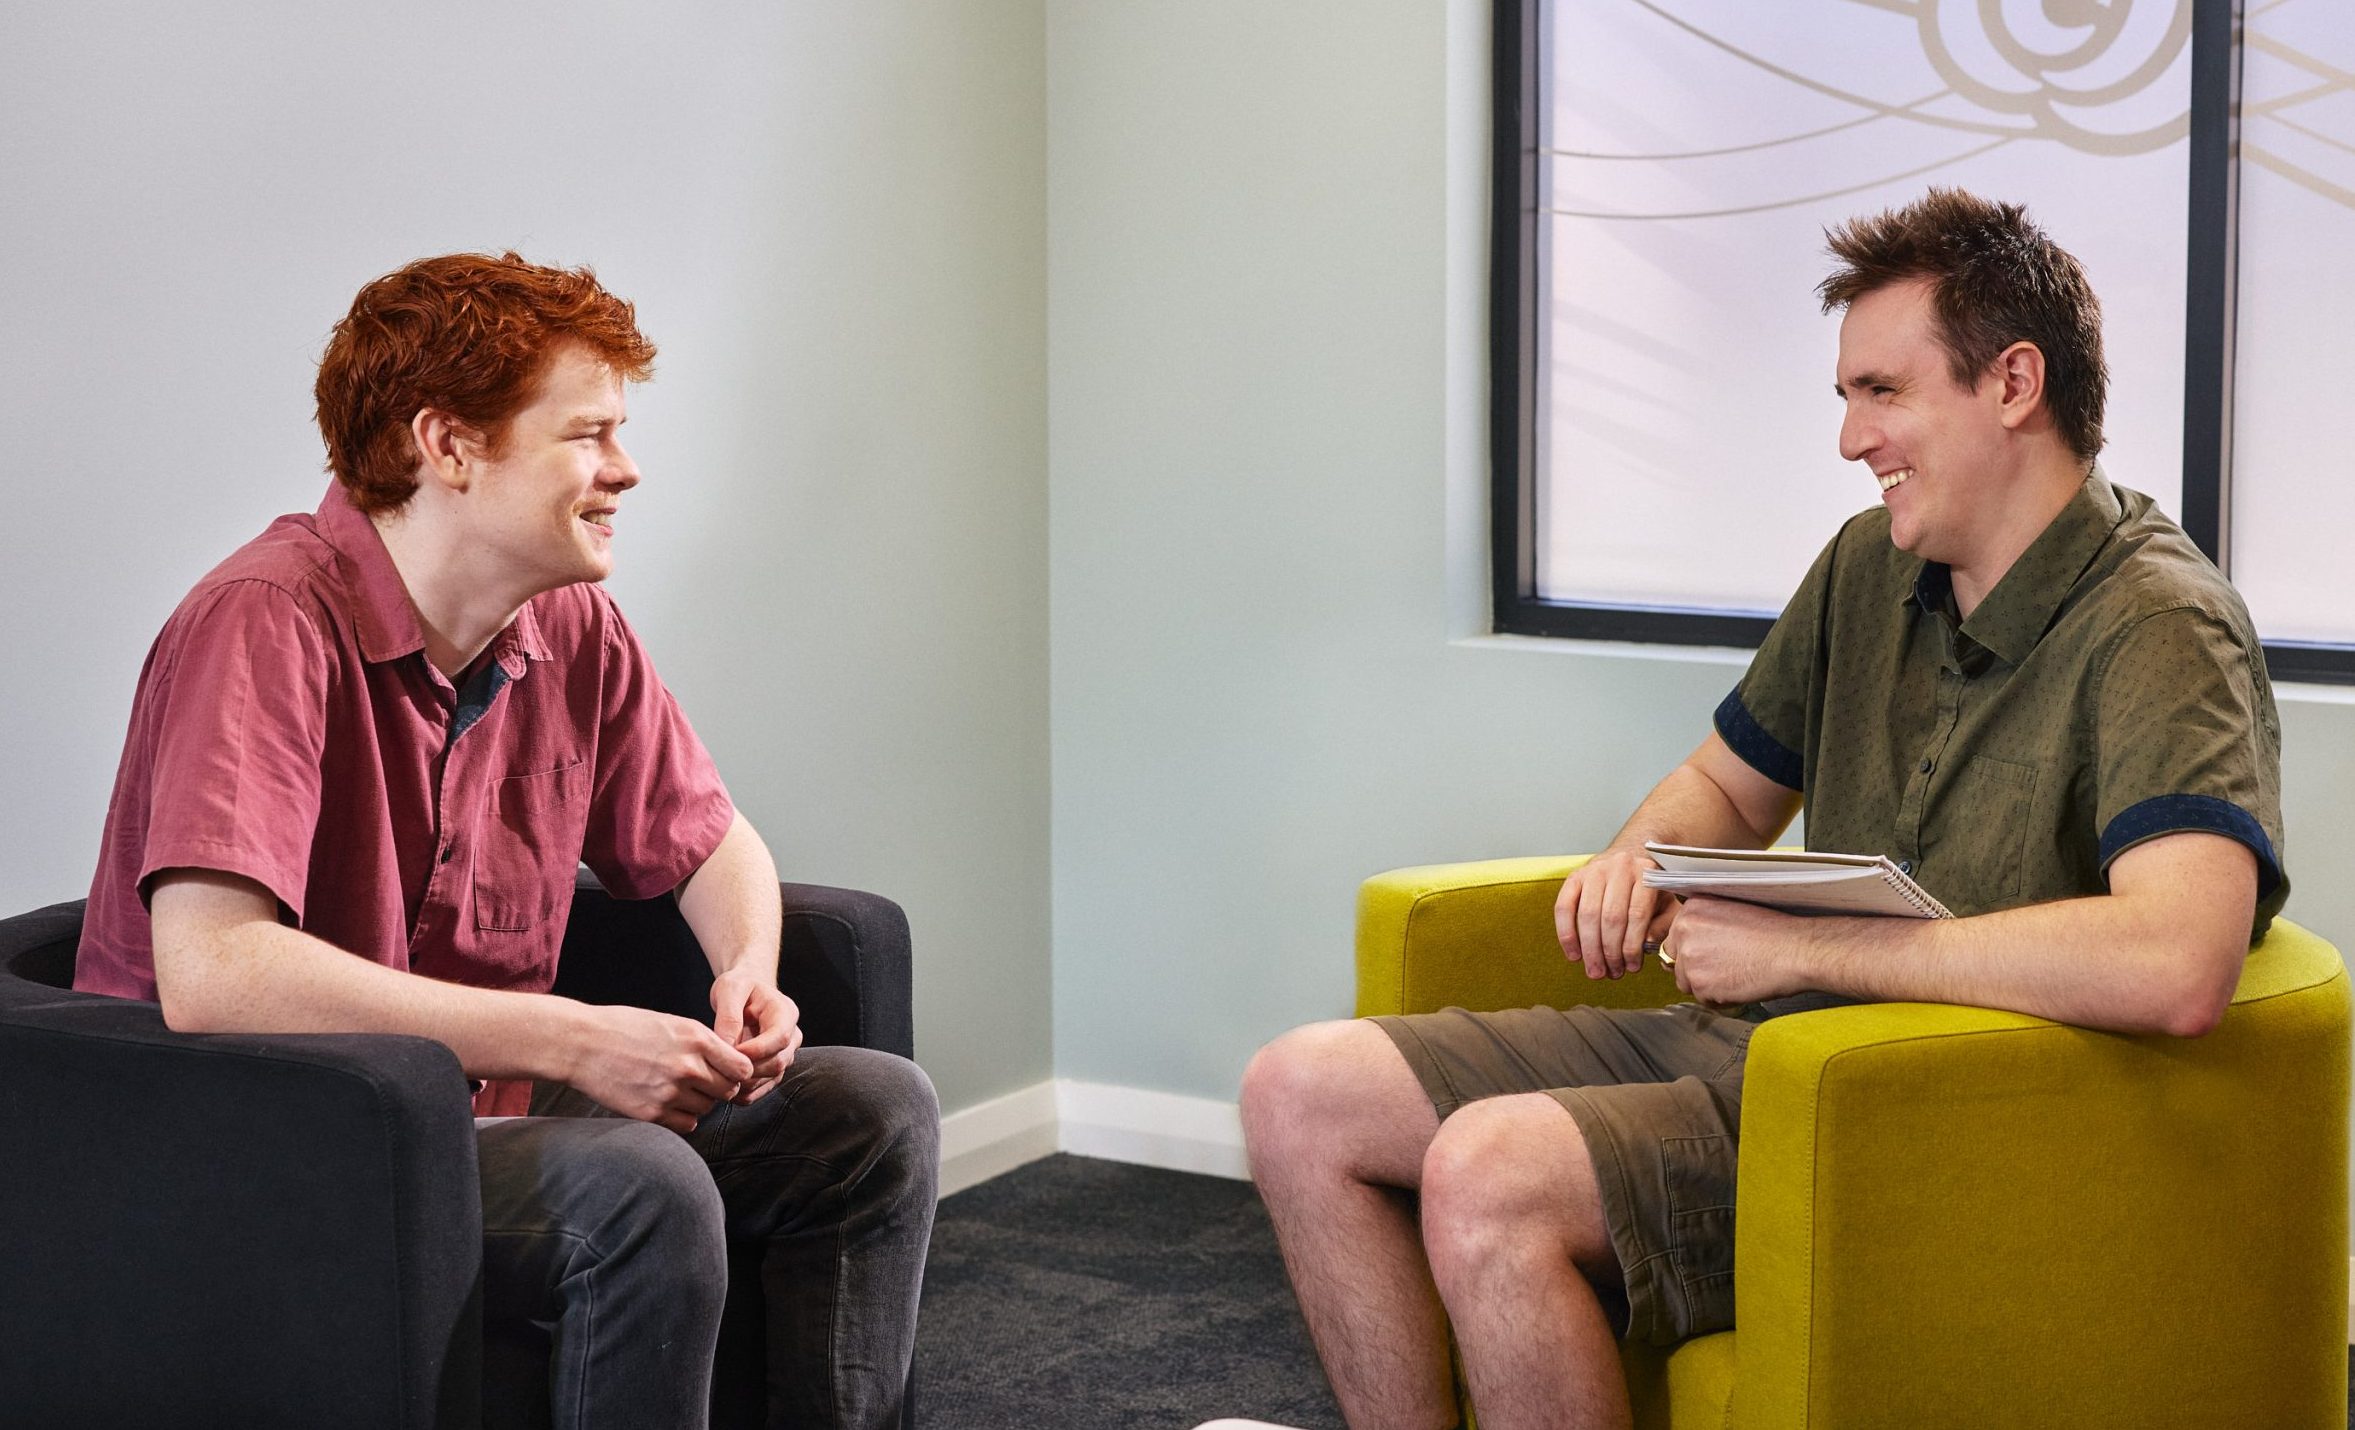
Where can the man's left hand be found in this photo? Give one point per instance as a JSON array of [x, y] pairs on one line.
[[1729, 953], [759, 1022]]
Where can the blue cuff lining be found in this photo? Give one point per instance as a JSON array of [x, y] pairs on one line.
[[1759, 750], [2173, 813]]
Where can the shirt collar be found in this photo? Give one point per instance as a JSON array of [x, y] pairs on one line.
[[520, 642], [2015, 615], [382, 614]]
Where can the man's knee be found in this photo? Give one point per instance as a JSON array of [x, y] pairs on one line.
[[1308, 1073], [882, 1111], [1335, 1097], [903, 1109], [661, 1203], [1508, 1180]]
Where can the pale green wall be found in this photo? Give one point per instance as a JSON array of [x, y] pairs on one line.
[[1226, 253], [2318, 810], [832, 218], [1264, 313]]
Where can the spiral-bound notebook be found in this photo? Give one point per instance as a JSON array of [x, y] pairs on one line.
[[1811, 882]]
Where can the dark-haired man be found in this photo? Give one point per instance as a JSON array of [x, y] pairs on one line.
[[366, 756], [2023, 682]]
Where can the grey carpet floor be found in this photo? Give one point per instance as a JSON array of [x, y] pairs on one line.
[[1077, 1294]]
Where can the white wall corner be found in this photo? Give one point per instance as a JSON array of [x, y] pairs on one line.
[[1090, 1119], [992, 1138], [1154, 1129]]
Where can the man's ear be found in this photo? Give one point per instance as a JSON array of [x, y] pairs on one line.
[[447, 449], [2019, 375]]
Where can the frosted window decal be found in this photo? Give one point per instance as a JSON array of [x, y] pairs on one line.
[[2293, 500], [1691, 154]]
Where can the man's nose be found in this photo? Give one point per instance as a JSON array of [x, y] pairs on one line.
[[1858, 434], [621, 473]]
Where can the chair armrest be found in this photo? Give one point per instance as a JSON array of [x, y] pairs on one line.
[[166, 1194], [846, 959], [1939, 1203], [1480, 936], [843, 957], [39, 946]]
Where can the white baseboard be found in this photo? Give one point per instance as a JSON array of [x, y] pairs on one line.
[[1092, 1119], [1155, 1129], [994, 1137]]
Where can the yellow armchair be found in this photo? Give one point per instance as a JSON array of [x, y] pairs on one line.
[[1957, 1217]]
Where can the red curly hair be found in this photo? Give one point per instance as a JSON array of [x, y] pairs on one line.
[[468, 334]]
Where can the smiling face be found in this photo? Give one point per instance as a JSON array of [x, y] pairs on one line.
[[1936, 448], [542, 509]]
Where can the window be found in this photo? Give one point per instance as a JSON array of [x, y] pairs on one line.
[[1663, 430]]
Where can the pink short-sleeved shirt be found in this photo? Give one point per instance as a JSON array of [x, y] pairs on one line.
[[288, 728]]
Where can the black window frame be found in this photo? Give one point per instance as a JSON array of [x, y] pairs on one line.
[[1517, 283]]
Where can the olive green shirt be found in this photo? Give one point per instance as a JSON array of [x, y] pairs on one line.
[[2109, 690]]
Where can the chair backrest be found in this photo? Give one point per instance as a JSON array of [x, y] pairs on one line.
[[39, 946]]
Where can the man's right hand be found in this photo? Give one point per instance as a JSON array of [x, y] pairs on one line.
[[656, 1067], [1605, 912]]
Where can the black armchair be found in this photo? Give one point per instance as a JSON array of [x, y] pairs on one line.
[[250, 1230]]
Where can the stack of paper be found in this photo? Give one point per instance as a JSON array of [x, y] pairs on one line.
[[1809, 883]]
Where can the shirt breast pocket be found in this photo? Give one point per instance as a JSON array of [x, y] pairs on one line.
[[531, 843], [1989, 819]]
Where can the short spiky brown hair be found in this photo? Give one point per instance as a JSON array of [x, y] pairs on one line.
[[467, 333], [1995, 279]]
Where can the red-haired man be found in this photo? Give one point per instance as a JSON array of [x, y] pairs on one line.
[[366, 755]]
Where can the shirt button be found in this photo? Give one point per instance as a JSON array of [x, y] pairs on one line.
[[1926, 766], [1905, 866]]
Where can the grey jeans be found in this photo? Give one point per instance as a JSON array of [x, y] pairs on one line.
[[610, 1239]]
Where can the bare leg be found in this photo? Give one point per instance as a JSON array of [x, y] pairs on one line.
[[1513, 1221], [1337, 1127]]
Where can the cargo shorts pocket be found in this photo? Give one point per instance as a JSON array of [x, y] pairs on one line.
[[1697, 1174], [1665, 1158]]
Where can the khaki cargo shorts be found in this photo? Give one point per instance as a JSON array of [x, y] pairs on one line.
[[1657, 1092]]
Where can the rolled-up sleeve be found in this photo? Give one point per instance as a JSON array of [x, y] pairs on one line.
[[2187, 743]]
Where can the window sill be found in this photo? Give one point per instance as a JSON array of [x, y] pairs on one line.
[[1618, 650], [2286, 692]]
